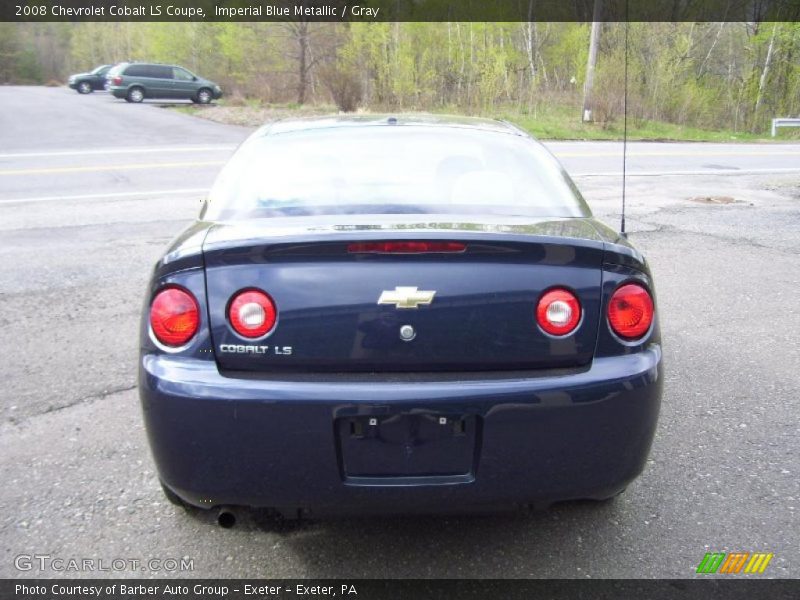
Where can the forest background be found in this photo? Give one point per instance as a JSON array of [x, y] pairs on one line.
[[705, 81]]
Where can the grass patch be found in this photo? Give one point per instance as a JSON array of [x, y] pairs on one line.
[[253, 113], [558, 123], [553, 122]]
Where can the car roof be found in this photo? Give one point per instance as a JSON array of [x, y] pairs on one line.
[[371, 120]]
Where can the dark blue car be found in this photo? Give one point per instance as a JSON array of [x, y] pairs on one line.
[[86, 83], [398, 314]]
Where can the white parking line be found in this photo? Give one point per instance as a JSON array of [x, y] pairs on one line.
[[140, 150], [102, 196]]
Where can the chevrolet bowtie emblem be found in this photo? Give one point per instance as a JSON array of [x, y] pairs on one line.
[[406, 297]]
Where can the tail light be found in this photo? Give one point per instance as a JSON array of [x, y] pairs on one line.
[[174, 316], [558, 312], [630, 312], [252, 313], [405, 247], [116, 80]]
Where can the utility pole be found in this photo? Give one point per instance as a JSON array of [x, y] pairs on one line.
[[592, 62]]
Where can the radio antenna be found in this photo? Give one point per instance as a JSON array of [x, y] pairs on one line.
[[625, 126]]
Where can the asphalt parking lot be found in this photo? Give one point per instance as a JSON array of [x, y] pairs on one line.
[[92, 190]]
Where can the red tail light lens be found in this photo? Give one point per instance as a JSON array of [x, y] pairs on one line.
[[117, 80], [174, 316], [558, 312], [252, 313], [630, 312], [405, 247]]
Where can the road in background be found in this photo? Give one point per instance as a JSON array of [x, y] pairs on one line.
[[57, 144], [100, 147], [78, 478]]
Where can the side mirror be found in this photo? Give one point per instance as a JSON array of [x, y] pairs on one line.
[[194, 77]]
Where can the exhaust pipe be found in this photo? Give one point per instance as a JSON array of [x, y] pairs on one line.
[[226, 517]]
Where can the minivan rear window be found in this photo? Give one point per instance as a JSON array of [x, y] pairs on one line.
[[116, 69], [137, 71], [156, 71]]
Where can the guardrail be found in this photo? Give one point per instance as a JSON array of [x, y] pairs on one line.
[[785, 122]]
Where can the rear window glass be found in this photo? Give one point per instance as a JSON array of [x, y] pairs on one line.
[[392, 170], [157, 71], [137, 71]]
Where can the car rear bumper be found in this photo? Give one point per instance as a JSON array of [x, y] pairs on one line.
[[279, 444], [117, 91]]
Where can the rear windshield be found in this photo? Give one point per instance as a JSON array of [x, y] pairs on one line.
[[116, 69], [401, 169]]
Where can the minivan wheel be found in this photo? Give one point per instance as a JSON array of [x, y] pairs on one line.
[[84, 87], [204, 96], [135, 94]]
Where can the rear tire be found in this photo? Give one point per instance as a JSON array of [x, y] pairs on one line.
[[204, 96], [611, 498], [84, 87], [172, 496], [135, 95]]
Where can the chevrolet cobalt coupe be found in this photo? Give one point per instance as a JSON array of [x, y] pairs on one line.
[[398, 314]]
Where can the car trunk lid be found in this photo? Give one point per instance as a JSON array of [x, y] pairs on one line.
[[343, 306]]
